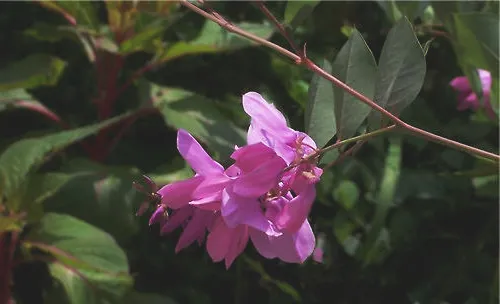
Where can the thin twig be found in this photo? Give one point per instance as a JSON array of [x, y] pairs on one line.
[[279, 26], [317, 70]]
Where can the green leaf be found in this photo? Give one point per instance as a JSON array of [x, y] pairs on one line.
[[213, 39], [88, 261], [146, 38], [377, 237], [32, 71], [356, 67], [106, 198], [297, 11], [83, 12], [320, 113], [477, 37], [401, 71], [196, 114], [47, 32], [25, 155], [347, 194]]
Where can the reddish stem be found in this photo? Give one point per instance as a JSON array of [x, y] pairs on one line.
[[8, 242]]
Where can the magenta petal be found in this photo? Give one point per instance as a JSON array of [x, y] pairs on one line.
[[195, 155], [260, 180], [290, 248], [157, 216], [266, 116], [194, 230], [208, 203], [219, 240], [461, 84], [238, 245], [178, 194], [262, 243], [295, 212], [238, 210], [176, 219], [251, 156], [211, 185]]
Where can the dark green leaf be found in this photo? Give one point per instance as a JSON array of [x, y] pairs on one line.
[[24, 155], [477, 35], [347, 194], [356, 67], [401, 71], [196, 114], [88, 263], [320, 113], [106, 198], [377, 235], [32, 71], [297, 11]]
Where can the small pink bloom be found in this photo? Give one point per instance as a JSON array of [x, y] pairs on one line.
[[467, 99]]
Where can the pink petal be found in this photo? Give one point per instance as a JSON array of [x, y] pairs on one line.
[[295, 213], [211, 185], [318, 255], [238, 245], [178, 194], [194, 230], [219, 240], [208, 203], [158, 216], [266, 116], [195, 155], [279, 144], [251, 156], [176, 219], [461, 84], [485, 78], [260, 180], [237, 210], [290, 248]]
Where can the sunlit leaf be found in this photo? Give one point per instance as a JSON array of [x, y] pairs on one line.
[[213, 38], [24, 155]]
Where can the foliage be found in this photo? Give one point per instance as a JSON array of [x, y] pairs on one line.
[[91, 96]]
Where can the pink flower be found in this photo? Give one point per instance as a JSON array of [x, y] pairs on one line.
[[265, 196], [467, 99]]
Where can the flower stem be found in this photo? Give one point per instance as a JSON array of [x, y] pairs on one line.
[[317, 70]]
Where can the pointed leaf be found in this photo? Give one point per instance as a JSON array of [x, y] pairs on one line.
[[32, 71], [401, 70], [196, 114], [88, 260], [297, 11], [80, 12], [320, 113], [24, 155], [356, 67]]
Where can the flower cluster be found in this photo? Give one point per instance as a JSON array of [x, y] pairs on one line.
[[265, 196], [467, 99]]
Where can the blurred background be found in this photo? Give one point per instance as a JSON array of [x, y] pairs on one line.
[[157, 67]]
